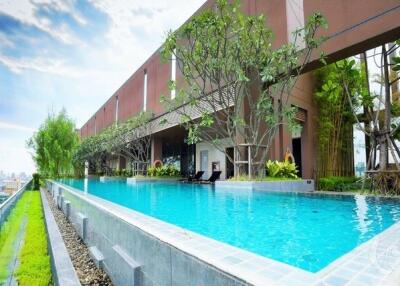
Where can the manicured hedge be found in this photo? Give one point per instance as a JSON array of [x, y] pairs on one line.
[[164, 171], [36, 181], [34, 267], [337, 184], [10, 231], [25, 222]]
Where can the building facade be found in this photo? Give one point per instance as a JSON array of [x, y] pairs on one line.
[[354, 27]]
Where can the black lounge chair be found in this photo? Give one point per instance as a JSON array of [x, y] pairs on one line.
[[194, 178], [214, 176]]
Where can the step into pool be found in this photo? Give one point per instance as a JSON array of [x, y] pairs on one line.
[[308, 231]]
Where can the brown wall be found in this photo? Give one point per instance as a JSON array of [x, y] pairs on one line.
[[130, 97], [353, 27], [340, 14], [357, 25]]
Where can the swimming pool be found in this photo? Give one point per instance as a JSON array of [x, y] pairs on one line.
[[304, 230]]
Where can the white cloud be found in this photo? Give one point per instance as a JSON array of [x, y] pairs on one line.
[[66, 6], [17, 127], [50, 66], [25, 11], [15, 159], [137, 28], [5, 42]]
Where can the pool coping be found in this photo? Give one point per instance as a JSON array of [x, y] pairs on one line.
[[374, 260]]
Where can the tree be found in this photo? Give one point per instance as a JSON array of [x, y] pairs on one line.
[[131, 139], [237, 86], [53, 145], [335, 118], [380, 122]]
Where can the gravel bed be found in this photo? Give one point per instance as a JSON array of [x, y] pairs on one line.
[[88, 272]]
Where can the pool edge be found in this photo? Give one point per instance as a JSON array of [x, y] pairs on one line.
[[238, 263]]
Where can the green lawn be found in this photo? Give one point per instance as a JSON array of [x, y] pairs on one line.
[[26, 221]]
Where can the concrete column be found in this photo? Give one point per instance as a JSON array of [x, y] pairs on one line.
[[156, 149]]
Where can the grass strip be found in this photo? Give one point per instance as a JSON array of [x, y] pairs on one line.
[[9, 232], [34, 267]]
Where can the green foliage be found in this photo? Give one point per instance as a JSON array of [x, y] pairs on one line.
[[283, 169], [117, 139], [123, 173], [163, 171], [53, 145], [228, 61], [396, 60], [337, 184], [34, 267], [26, 219], [36, 181], [9, 232], [335, 124]]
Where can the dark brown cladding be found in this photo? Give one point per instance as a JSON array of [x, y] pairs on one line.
[[354, 26]]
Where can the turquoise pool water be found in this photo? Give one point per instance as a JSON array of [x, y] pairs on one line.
[[304, 230]]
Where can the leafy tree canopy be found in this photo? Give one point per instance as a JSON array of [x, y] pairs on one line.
[[53, 145], [130, 139], [237, 84]]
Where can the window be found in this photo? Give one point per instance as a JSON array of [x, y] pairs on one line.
[[173, 72], [145, 90]]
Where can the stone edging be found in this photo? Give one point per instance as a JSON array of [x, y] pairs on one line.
[[63, 271], [279, 186]]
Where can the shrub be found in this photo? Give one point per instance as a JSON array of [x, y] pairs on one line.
[[338, 184], [163, 171], [151, 171], [9, 231], [34, 267], [34, 261], [283, 169], [36, 181], [125, 173]]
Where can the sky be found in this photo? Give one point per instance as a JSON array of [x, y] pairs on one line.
[[71, 54]]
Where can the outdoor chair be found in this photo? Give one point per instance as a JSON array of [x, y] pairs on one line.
[[214, 176], [194, 178]]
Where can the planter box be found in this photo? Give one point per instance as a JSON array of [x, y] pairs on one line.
[[278, 186], [113, 178], [134, 180]]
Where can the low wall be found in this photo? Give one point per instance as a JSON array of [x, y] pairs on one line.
[[133, 180], [279, 186], [129, 252], [111, 178], [61, 265]]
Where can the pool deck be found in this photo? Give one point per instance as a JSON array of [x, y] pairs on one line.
[[375, 262]]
